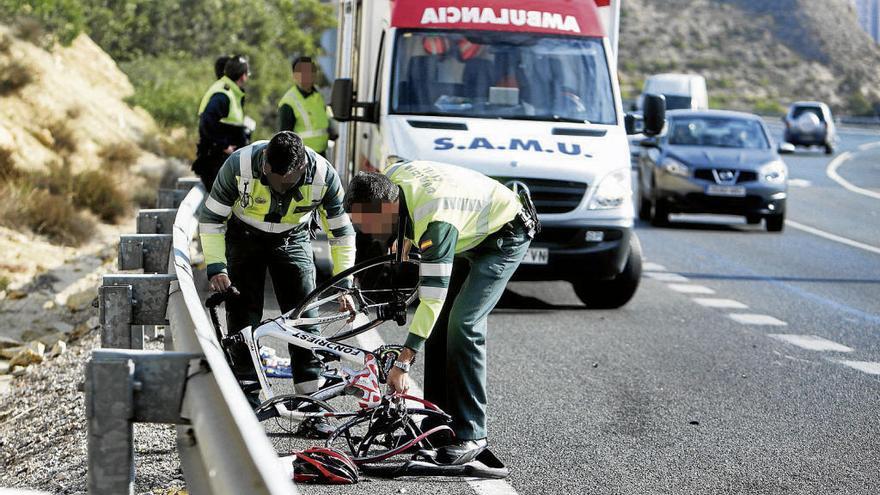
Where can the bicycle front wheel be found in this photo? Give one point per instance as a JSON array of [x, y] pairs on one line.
[[381, 290]]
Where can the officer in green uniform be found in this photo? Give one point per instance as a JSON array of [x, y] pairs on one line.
[[222, 127], [472, 233], [302, 109], [257, 217]]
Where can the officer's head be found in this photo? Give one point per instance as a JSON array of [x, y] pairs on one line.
[[303, 72], [220, 65], [286, 161], [372, 201], [237, 69]]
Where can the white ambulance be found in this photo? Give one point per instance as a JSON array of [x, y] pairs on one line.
[[523, 91]]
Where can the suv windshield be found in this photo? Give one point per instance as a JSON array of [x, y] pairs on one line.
[[724, 132], [798, 111], [502, 75]]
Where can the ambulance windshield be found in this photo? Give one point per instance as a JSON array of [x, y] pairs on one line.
[[486, 74]]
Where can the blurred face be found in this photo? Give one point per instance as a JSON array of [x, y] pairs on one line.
[[282, 183], [378, 219], [304, 75]]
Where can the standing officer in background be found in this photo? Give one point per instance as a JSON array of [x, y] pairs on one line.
[[257, 217], [473, 233], [302, 109], [221, 120]]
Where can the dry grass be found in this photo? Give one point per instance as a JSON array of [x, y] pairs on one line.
[[100, 192], [64, 134], [44, 213], [14, 75], [7, 166], [119, 156], [30, 30], [175, 143], [5, 43]]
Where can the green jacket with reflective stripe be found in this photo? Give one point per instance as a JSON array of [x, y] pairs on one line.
[[311, 117], [241, 190], [236, 100], [452, 209]]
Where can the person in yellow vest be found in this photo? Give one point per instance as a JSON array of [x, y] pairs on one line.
[[302, 109], [257, 218], [472, 233], [222, 128]]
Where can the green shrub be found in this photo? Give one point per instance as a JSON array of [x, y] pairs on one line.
[[858, 105], [768, 107]]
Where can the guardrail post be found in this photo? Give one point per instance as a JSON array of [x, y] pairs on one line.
[[187, 183], [123, 388], [148, 251], [109, 395], [128, 301], [170, 198], [156, 221]]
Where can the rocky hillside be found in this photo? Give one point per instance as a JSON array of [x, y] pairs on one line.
[[754, 55]]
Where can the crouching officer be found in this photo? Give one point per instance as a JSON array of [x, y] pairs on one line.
[[473, 233], [257, 217]]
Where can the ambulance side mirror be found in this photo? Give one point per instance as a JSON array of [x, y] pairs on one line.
[[654, 114], [345, 107], [342, 99]]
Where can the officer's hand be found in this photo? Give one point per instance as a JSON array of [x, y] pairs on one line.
[[407, 245], [220, 282], [346, 305], [229, 149], [398, 380]]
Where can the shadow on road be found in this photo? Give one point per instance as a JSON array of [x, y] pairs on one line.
[[760, 278], [699, 225], [511, 302]]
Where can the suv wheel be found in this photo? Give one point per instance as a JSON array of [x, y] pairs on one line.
[[645, 208], [661, 214], [829, 149], [614, 293], [775, 223]]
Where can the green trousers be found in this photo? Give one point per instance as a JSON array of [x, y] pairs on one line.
[[455, 352], [288, 258]]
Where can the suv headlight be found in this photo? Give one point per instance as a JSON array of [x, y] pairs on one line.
[[613, 191], [774, 172], [675, 167]]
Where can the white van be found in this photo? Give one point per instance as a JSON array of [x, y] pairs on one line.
[[682, 91], [523, 91]]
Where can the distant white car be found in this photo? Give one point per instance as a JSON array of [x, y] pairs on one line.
[[682, 91], [809, 123]]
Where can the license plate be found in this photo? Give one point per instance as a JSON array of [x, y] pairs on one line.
[[716, 190], [537, 256]]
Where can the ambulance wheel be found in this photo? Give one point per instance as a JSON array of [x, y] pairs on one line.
[[614, 293]]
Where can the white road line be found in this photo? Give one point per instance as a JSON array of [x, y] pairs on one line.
[[371, 340], [799, 183], [755, 319], [831, 171], [833, 237], [653, 267], [811, 342], [712, 302], [690, 289], [868, 146], [863, 366], [667, 277]]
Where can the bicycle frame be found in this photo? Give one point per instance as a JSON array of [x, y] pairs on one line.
[[287, 331]]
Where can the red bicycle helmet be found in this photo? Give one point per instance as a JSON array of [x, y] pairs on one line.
[[325, 466]]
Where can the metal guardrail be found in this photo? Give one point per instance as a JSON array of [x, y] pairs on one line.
[[223, 448]]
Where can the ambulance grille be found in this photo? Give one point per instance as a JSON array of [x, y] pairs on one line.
[[551, 196]]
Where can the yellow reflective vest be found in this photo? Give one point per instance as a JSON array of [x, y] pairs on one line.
[[311, 117]]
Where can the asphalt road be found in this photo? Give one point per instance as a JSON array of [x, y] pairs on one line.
[[748, 362]]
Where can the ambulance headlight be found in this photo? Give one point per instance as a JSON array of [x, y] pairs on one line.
[[613, 191]]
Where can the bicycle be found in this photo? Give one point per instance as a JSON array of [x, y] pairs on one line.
[[383, 426]]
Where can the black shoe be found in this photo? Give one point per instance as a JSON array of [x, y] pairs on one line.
[[461, 452], [315, 428]]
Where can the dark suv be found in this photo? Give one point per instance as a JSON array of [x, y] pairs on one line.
[[809, 123]]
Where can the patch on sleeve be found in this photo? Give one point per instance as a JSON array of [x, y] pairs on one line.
[[426, 244]]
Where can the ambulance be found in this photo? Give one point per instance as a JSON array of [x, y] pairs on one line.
[[523, 91]]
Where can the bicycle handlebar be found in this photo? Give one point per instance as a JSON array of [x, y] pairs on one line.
[[219, 298]]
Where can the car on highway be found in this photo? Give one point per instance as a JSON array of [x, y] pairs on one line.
[[682, 91], [809, 123], [712, 161]]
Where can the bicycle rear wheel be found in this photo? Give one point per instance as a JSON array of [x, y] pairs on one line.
[[382, 288]]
